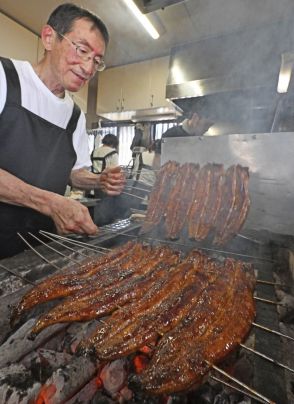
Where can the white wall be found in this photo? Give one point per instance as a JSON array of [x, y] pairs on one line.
[[17, 42]]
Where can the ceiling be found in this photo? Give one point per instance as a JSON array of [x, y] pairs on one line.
[[196, 24], [180, 23]]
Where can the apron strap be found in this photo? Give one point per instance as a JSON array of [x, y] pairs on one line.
[[72, 123], [13, 84]]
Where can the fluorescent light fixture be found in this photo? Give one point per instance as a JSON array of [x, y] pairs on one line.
[[284, 80], [285, 72], [143, 19]]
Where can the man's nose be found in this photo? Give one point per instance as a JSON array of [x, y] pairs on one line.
[[88, 67]]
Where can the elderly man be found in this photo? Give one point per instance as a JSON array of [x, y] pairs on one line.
[[43, 137]]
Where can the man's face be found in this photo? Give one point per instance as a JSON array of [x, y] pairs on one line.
[[70, 70]]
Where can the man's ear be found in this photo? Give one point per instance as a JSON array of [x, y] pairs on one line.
[[48, 36]]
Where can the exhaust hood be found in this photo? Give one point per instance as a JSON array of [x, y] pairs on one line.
[[145, 115], [232, 78], [237, 61]]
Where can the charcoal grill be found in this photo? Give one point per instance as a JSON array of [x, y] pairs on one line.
[[27, 365]]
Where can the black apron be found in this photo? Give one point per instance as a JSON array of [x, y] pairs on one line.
[[103, 159], [36, 151]]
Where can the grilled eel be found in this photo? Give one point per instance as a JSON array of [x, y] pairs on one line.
[[156, 321], [178, 278], [159, 196], [94, 302], [241, 207], [211, 203], [64, 284], [180, 200], [145, 300], [199, 199], [230, 196], [210, 332]]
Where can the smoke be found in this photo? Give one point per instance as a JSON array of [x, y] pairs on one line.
[[238, 76]]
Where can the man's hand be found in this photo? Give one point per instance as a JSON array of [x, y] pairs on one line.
[[112, 180], [198, 125], [71, 216], [68, 215]]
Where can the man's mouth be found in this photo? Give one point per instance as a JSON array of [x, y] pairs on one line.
[[82, 77]]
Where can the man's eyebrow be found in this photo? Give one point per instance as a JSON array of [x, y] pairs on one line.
[[84, 42]]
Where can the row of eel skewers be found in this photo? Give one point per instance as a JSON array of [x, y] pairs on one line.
[[203, 202], [193, 310]]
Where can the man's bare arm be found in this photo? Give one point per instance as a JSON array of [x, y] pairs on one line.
[[67, 214], [111, 181]]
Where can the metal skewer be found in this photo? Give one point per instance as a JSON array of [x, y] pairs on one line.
[[267, 358], [62, 244], [129, 188], [36, 252], [135, 196], [262, 327], [53, 249], [192, 246], [266, 400], [143, 171], [250, 239], [216, 379], [79, 243], [17, 275], [267, 301], [86, 244], [271, 283]]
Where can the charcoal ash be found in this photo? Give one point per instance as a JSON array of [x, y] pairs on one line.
[[18, 345], [101, 398], [44, 362], [286, 307], [10, 285], [17, 385], [75, 333], [87, 394]]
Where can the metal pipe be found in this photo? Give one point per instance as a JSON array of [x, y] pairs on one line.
[[267, 358]]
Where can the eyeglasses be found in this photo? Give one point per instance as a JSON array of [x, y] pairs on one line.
[[84, 54]]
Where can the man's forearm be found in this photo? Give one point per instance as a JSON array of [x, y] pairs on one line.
[[17, 192], [84, 179], [111, 180]]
